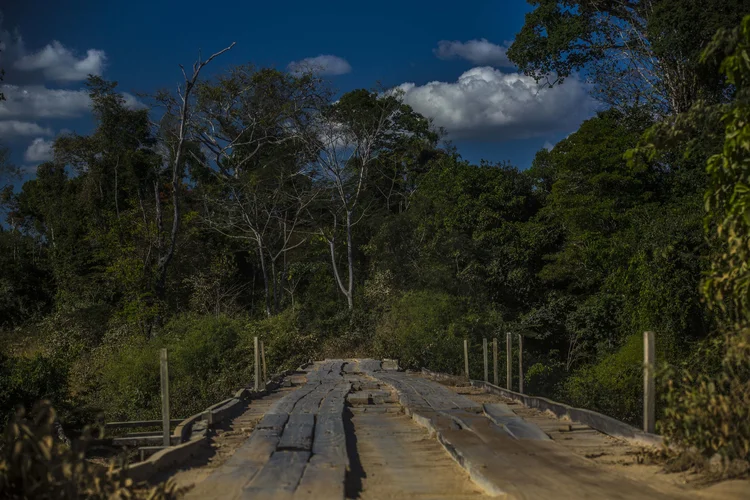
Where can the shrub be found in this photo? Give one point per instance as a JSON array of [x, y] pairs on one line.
[[33, 464], [711, 413], [423, 329], [287, 346], [207, 362], [613, 385], [24, 380]]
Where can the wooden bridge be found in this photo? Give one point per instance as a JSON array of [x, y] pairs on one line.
[[355, 429]]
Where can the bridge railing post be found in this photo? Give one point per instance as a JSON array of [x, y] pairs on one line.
[[494, 361], [509, 362], [520, 363], [486, 365], [263, 360], [649, 390], [466, 359], [164, 366], [256, 345]]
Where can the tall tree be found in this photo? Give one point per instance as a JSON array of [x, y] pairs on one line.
[[635, 52], [179, 108], [355, 136], [253, 125]]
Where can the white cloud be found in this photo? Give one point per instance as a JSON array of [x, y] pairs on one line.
[[39, 151], [15, 128], [132, 102], [35, 101], [53, 62], [487, 104], [60, 64], [481, 52], [548, 145], [321, 65]]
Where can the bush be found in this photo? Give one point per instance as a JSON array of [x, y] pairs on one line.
[[424, 329], [711, 413], [543, 378], [25, 380], [287, 346], [34, 464], [207, 362], [612, 386]]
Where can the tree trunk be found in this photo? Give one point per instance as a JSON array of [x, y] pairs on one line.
[[350, 258], [266, 292]]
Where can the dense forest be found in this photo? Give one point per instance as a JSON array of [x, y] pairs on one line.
[[258, 203]]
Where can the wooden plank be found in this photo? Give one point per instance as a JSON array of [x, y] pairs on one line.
[[273, 421], [298, 432], [330, 439], [516, 426], [228, 481], [140, 423], [322, 480], [286, 404], [335, 400], [279, 477], [369, 365], [311, 402]]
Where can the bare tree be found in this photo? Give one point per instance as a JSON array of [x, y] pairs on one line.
[[353, 134], [252, 125], [179, 107]]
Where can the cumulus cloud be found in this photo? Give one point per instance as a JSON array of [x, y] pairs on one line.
[[481, 52], [321, 65], [35, 101], [16, 128], [53, 62], [487, 104], [39, 151], [60, 64]]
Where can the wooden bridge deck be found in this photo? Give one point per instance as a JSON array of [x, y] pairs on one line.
[[346, 433]]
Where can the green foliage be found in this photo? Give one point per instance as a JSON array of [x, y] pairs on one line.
[[709, 411], [208, 360], [25, 380], [612, 386], [425, 329], [34, 463]]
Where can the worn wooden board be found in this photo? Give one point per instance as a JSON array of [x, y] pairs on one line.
[[515, 425], [279, 477], [329, 442], [228, 481], [298, 432], [335, 400], [322, 480], [311, 402], [274, 421]]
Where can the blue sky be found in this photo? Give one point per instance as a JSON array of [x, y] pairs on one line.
[[447, 57]]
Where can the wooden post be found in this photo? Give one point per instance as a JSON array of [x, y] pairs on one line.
[[520, 363], [164, 362], [509, 358], [486, 365], [466, 359], [263, 360], [494, 361], [649, 390], [257, 364]]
